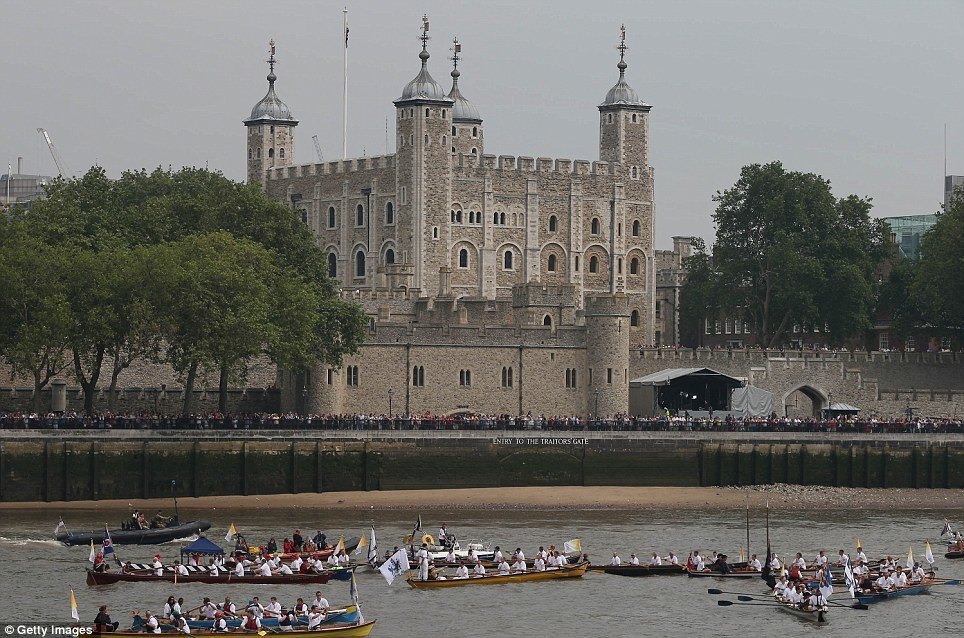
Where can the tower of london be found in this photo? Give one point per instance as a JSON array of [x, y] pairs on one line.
[[493, 283]]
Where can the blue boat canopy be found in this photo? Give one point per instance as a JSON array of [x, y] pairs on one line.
[[202, 546]]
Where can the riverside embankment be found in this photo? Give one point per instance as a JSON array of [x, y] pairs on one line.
[[44, 466]]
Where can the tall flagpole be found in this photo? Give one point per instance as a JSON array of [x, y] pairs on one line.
[[344, 145]]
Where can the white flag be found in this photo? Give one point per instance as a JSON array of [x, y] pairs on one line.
[[362, 544], [910, 558], [73, 607], [93, 553], [60, 526], [851, 583], [395, 566], [826, 584], [572, 546], [372, 549], [928, 554], [232, 532]]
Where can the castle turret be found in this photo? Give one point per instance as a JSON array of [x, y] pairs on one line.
[[607, 354], [624, 123], [271, 140], [467, 138], [423, 120]]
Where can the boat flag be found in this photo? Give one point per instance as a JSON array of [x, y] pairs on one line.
[[742, 555], [851, 583], [108, 545], [859, 546], [946, 530], [73, 607], [372, 549], [93, 553], [63, 526], [575, 545], [928, 554], [232, 532], [395, 565], [353, 594], [826, 583], [910, 558], [340, 547], [362, 544]]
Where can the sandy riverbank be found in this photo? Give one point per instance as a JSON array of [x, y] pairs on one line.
[[784, 496]]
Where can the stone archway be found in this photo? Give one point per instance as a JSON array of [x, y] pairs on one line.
[[805, 401]]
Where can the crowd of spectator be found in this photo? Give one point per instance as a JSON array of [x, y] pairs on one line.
[[292, 421]]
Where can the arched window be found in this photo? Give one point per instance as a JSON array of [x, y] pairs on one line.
[[389, 256], [332, 265], [495, 218], [515, 219], [458, 216], [635, 173], [636, 228], [259, 153], [360, 215], [445, 140], [427, 112], [568, 377], [501, 219], [434, 232], [270, 152], [547, 320], [463, 258], [360, 264], [594, 226], [331, 217], [507, 260], [593, 264], [634, 319], [553, 223], [551, 265], [426, 139], [634, 118], [418, 376], [475, 131], [452, 215], [634, 266], [475, 151], [471, 216], [389, 213], [281, 153]]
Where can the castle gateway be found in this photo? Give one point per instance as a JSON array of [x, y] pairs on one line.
[[494, 284]]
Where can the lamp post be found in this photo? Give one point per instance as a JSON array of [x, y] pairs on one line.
[[595, 413], [391, 393]]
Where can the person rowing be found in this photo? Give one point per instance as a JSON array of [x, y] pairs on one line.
[[917, 575], [316, 617], [672, 559], [152, 625], [882, 583], [842, 559], [520, 554], [462, 572], [208, 609], [616, 560], [503, 567], [695, 561], [633, 559], [180, 622], [497, 557], [821, 559], [251, 622], [228, 608], [320, 602], [296, 564], [861, 556], [780, 590], [755, 564], [561, 560], [450, 556], [478, 570], [655, 561], [539, 564], [774, 562], [301, 607], [519, 567], [273, 608], [800, 563]]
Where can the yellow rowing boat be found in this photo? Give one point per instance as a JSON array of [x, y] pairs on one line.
[[342, 631], [572, 571]]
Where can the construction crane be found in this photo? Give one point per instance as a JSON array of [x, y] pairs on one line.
[[321, 156], [58, 160]]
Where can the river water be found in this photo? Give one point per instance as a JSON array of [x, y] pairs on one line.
[[37, 572]]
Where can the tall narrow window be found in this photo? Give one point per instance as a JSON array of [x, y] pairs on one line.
[[331, 217], [576, 263], [593, 264], [463, 258], [636, 228], [359, 264], [634, 319], [547, 320], [634, 266], [507, 260], [551, 265], [553, 223], [389, 256], [594, 226], [270, 152], [332, 265], [501, 219], [281, 153], [359, 215], [389, 214]]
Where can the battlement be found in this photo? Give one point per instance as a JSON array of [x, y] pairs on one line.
[[549, 165], [607, 306], [351, 165], [536, 294]]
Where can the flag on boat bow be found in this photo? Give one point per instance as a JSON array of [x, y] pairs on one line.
[[353, 594], [362, 544], [575, 545], [910, 558], [826, 583], [63, 526], [851, 582], [232, 532], [73, 607], [395, 566], [945, 530], [93, 553], [928, 554], [108, 545], [372, 550]]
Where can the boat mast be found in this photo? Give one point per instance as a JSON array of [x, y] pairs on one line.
[[747, 528]]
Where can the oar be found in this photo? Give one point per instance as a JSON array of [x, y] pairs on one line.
[[734, 593], [727, 603]]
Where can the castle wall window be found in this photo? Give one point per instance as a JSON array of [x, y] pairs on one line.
[[577, 264], [304, 216], [593, 264], [570, 377], [434, 232], [259, 153], [428, 113], [471, 217], [444, 114], [332, 265], [463, 258], [634, 319], [553, 223], [507, 377], [270, 152], [619, 266], [475, 151], [659, 308], [635, 172], [404, 194], [547, 320], [281, 153], [502, 219], [331, 376], [418, 376], [351, 376], [475, 131], [272, 130], [389, 256], [609, 375], [359, 264], [465, 377], [551, 265], [634, 266], [634, 118], [453, 131], [426, 139], [594, 226], [331, 217], [619, 230], [389, 214], [609, 118], [360, 215], [507, 260], [636, 228]]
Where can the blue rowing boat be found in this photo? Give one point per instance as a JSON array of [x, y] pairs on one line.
[[347, 614], [876, 597]]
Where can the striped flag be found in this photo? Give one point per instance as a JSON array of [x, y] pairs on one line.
[[108, 545], [232, 532], [946, 530], [826, 583], [851, 582], [73, 607], [372, 550], [928, 554], [353, 593], [93, 553], [910, 558]]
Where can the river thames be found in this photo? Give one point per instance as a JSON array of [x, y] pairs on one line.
[[38, 572]]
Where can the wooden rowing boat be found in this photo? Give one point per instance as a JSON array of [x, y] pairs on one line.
[[572, 559], [868, 598], [639, 570], [343, 631], [340, 616], [572, 571], [814, 614], [733, 574], [224, 578], [135, 536], [956, 553]]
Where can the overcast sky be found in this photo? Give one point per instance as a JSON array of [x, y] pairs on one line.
[[858, 91]]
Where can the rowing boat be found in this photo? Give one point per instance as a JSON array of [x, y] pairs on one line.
[[956, 553], [868, 598], [815, 614], [135, 536], [343, 631], [733, 574], [573, 571], [640, 570], [223, 578], [571, 559], [339, 616]]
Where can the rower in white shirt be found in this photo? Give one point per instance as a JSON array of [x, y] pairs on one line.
[[893, 579], [861, 555], [538, 564], [780, 589], [821, 559], [181, 569], [616, 561], [471, 558], [799, 562], [462, 572], [917, 575], [498, 555], [153, 626], [478, 570], [208, 609], [520, 554], [755, 564], [561, 560], [239, 569], [157, 565], [672, 559], [296, 564], [318, 565], [320, 602], [901, 579], [315, 618], [285, 570], [655, 561], [542, 553], [842, 559], [255, 607], [332, 560], [696, 561], [213, 569], [519, 566], [775, 562], [882, 583], [633, 559], [450, 557], [264, 569], [503, 568], [273, 608]]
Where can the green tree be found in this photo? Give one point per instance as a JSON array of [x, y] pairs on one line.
[[938, 283], [787, 253]]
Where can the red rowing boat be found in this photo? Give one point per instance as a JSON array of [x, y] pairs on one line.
[[229, 578]]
